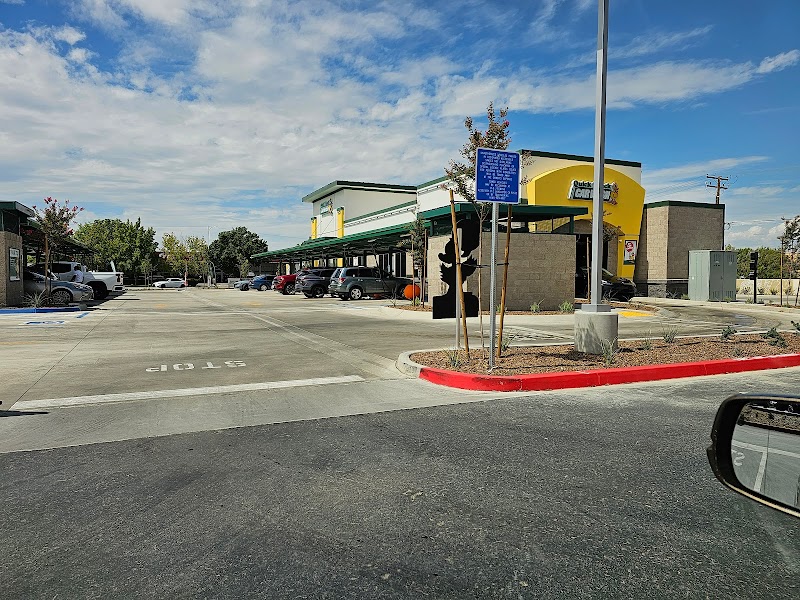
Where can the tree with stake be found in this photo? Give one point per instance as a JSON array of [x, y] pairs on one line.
[[462, 176], [55, 221]]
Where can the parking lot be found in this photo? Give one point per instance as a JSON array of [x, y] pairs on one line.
[[149, 340]]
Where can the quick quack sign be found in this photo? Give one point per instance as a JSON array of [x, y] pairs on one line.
[[582, 190]]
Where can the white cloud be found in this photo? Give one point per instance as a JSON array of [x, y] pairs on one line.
[[264, 105], [16, 2], [779, 62]]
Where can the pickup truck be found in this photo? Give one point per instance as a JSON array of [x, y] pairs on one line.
[[101, 282]]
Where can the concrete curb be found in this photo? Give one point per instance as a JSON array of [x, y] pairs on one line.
[[592, 378], [28, 311]]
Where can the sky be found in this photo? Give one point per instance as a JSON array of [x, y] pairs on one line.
[[198, 116]]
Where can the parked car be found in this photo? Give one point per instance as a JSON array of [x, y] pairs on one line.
[[285, 283], [353, 283], [61, 292], [614, 288], [172, 282], [242, 284], [262, 282], [314, 282]]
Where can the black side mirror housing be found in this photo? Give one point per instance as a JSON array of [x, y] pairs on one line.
[[755, 449]]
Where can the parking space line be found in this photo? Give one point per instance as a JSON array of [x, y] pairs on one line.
[[181, 392]]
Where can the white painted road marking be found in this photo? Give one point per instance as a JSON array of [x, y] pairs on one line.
[[178, 393]]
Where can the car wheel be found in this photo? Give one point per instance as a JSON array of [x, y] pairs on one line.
[[262, 287], [308, 294], [100, 291], [288, 288], [356, 293], [244, 288], [61, 297], [181, 285], [318, 292]]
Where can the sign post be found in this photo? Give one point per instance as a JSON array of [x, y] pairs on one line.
[[497, 176]]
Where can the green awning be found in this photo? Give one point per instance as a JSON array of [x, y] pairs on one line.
[[377, 241]]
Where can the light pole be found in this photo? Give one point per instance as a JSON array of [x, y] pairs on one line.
[[595, 324]]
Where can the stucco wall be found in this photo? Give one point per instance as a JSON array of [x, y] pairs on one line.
[[541, 269], [669, 232], [11, 292]]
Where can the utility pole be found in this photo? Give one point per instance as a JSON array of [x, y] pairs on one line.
[[718, 185]]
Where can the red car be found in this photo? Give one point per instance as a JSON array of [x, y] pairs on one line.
[[285, 283]]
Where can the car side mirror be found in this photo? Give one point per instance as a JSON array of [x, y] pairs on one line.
[[755, 449]]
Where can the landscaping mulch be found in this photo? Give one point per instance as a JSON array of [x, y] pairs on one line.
[[576, 306], [549, 359]]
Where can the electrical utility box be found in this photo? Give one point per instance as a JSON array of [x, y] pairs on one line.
[[712, 275]]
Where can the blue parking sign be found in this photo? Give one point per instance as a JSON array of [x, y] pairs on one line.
[[497, 174]]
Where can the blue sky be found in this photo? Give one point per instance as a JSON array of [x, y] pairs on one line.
[[198, 113]]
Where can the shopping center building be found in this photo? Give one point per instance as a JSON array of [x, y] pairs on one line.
[[357, 223]]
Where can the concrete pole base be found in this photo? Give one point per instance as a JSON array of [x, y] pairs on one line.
[[593, 328]]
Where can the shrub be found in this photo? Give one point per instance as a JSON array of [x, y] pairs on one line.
[[728, 333], [684, 296], [565, 307], [648, 343], [774, 338], [761, 290], [536, 307], [669, 334], [745, 289], [453, 358], [796, 325], [773, 290], [610, 351], [36, 300], [505, 343]]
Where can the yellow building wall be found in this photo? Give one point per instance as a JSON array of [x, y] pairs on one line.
[[624, 210], [313, 228], [340, 230]]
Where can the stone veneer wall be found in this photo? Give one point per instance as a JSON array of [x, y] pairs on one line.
[[669, 231], [11, 292], [541, 269]]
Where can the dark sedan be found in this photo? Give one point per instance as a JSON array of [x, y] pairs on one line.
[[614, 288]]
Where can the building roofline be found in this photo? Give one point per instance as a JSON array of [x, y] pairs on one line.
[[16, 206], [683, 203], [609, 161], [338, 185]]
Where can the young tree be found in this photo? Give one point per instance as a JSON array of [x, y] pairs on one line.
[[230, 246], [55, 221], [185, 257], [462, 176]]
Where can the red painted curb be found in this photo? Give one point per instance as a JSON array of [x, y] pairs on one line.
[[596, 377]]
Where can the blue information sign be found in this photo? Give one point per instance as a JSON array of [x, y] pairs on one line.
[[497, 176]]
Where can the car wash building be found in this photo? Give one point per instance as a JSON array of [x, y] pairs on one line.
[[360, 223]]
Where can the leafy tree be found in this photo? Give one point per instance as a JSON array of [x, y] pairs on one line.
[[55, 221], [769, 261], [415, 241], [233, 247], [127, 244]]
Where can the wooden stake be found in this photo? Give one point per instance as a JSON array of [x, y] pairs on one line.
[[459, 280]]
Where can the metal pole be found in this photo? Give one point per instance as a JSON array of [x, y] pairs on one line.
[[599, 158], [493, 279], [505, 283]]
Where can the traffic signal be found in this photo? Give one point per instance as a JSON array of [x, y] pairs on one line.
[[753, 265]]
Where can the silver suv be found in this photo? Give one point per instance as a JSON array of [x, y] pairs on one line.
[[353, 283]]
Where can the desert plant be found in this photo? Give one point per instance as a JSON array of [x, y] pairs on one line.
[[536, 307], [745, 289], [416, 302], [565, 307], [36, 300], [774, 338], [748, 301], [684, 296], [796, 325], [728, 333], [669, 334], [761, 290], [505, 343], [453, 357], [647, 344], [610, 350], [773, 290]]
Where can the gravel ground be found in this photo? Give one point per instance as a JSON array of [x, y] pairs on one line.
[[544, 359]]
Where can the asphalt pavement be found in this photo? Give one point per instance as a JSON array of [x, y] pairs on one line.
[[313, 469]]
